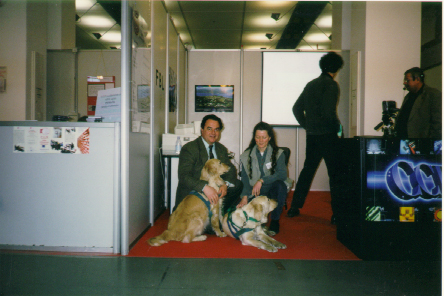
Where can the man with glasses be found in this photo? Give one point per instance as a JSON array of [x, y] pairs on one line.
[[421, 111]]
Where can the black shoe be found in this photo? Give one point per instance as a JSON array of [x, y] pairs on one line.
[[333, 220], [293, 212], [274, 228]]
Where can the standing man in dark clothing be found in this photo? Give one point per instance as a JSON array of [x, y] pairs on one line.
[[315, 110], [421, 111]]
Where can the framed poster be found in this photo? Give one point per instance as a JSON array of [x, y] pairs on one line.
[[214, 98]]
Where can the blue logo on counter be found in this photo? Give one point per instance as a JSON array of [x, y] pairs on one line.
[[407, 181]]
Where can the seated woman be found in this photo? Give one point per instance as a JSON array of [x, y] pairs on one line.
[[264, 171]]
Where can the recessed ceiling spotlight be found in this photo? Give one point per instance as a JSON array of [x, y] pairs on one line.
[[275, 16]]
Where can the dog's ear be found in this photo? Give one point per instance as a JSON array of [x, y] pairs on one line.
[[212, 167], [204, 175], [209, 169], [258, 208]]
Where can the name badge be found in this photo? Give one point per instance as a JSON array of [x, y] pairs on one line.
[[268, 165]]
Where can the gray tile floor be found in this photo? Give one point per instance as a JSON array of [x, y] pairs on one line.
[[37, 274]]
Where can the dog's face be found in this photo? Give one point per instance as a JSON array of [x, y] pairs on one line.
[[213, 167], [259, 208]]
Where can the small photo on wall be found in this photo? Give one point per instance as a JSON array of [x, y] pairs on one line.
[[214, 98]]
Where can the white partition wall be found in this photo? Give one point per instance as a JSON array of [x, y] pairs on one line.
[[159, 84], [61, 201]]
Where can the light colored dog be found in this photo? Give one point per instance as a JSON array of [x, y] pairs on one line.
[[245, 224], [192, 215]]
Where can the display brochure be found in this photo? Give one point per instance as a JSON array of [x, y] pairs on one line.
[[71, 140]]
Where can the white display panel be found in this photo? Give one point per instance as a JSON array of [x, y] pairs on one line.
[[285, 75]]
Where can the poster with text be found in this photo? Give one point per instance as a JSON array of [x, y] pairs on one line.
[[69, 140]]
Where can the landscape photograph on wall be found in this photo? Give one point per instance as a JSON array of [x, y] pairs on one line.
[[214, 98]]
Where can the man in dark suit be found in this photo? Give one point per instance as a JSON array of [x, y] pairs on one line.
[[193, 157], [421, 111]]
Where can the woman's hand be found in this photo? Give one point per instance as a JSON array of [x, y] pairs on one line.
[[257, 188], [243, 202]]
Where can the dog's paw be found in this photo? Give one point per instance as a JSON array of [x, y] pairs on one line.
[[221, 234], [271, 249], [200, 238], [280, 245]]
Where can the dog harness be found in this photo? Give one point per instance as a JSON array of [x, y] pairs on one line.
[[206, 201], [237, 230]]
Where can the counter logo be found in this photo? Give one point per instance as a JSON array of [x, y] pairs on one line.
[[409, 182]]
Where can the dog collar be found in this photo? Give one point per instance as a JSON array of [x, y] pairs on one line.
[[235, 229]]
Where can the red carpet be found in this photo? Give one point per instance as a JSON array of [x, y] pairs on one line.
[[309, 236]]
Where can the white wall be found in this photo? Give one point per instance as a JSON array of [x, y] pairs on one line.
[[62, 31], [13, 52], [391, 46]]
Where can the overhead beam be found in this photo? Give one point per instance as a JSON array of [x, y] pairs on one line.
[[113, 8], [303, 17]]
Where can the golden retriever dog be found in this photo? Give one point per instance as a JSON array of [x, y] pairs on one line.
[[192, 215], [245, 224]]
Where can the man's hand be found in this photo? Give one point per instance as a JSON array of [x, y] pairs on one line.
[[211, 194]]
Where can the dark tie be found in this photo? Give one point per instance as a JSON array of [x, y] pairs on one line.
[[211, 152]]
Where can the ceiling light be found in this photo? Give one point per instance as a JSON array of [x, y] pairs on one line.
[[264, 22], [113, 37], [85, 4], [316, 37], [275, 16], [255, 38], [269, 35], [325, 21], [97, 21]]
